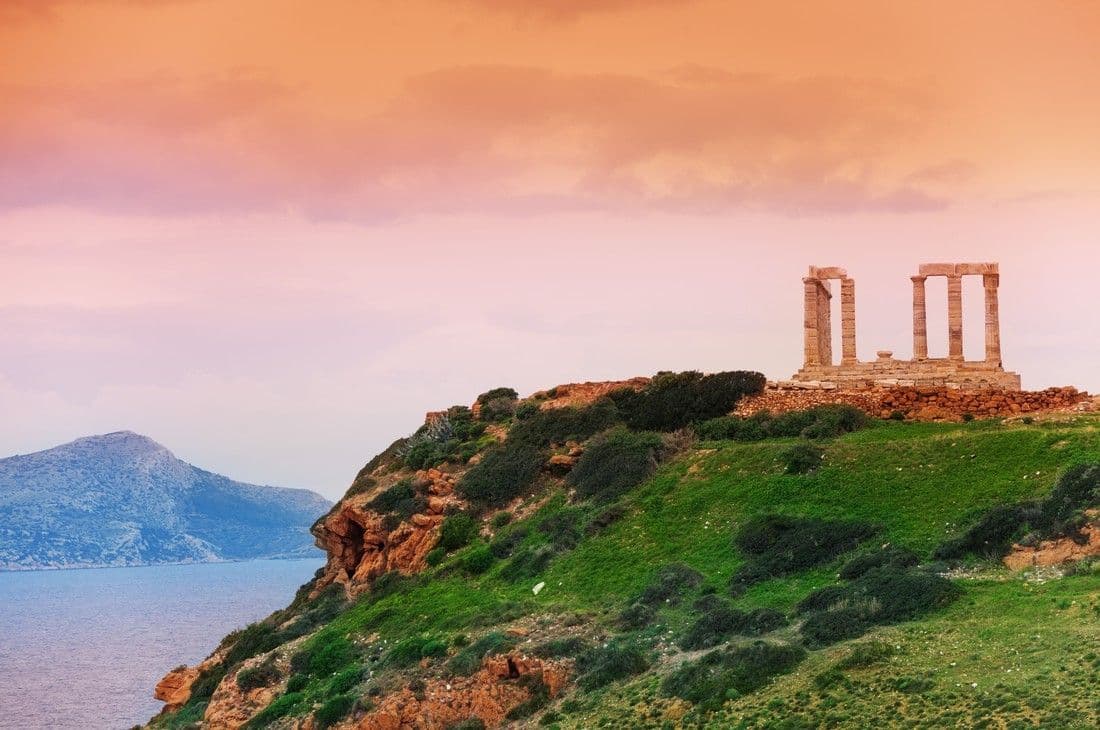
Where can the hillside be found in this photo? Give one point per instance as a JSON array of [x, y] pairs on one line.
[[123, 499], [630, 557]]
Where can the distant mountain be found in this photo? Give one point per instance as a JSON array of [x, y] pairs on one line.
[[123, 499]]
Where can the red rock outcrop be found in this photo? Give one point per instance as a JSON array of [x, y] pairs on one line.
[[919, 404], [175, 688], [581, 394], [363, 544], [1060, 551], [499, 686]]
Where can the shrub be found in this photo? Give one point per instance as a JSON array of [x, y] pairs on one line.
[[562, 528], [400, 499], [297, 683], [283, 706], [674, 400], [526, 409], [324, 656], [478, 560], [474, 723], [605, 519], [897, 415], [802, 458], [992, 536], [717, 620], [723, 675], [670, 584], [968, 417], [558, 425], [879, 596], [263, 674], [637, 616], [468, 660], [333, 710], [500, 519], [435, 556], [527, 563], [505, 472], [777, 545], [603, 665], [614, 463], [558, 648], [457, 531], [893, 558], [820, 422], [504, 544], [208, 681], [413, 649], [503, 392]]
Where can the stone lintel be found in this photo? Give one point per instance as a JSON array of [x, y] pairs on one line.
[[937, 269], [827, 272], [966, 269]]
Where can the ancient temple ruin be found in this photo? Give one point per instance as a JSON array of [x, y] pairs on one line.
[[819, 370]]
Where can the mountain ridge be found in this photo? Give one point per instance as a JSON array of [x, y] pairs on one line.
[[123, 499]]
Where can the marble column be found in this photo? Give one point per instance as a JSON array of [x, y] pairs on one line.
[[920, 319], [825, 323], [992, 320], [954, 317], [848, 321], [811, 354]]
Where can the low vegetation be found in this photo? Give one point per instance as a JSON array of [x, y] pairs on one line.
[[708, 584]]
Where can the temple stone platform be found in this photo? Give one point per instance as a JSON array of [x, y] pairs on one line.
[[953, 371]]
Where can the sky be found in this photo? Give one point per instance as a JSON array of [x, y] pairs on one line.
[[272, 234]]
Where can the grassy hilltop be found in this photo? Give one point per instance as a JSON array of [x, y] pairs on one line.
[[817, 569]]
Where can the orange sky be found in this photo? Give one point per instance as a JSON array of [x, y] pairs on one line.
[[310, 222]]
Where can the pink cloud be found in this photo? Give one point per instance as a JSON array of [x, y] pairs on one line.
[[477, 138]]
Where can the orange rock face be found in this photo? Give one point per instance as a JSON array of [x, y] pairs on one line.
[[231, 707], [362, 544], [175, 688], [489, 695], [581, 394], [1057, 552]]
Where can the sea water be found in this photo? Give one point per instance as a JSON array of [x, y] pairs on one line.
[[84, 648]]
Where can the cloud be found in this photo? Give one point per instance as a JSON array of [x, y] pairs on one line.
[[566, 9], [502, 139]]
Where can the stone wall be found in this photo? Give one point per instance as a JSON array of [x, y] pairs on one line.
[[920, 404]]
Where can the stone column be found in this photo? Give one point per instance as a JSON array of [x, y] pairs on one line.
[[848, 321], [955, 317], [811, 355], [992, 320], [920, 319], [825, 323]]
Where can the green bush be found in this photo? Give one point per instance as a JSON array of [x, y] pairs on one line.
[[457, 531], [820, 422], [674, 400], [992, 536], [526, 409], [563, 528], [559, 425], [603, 665], [324, 656], [296, 683], [716, 621], [527, 562], [401, 499], [564, 647], [500, 519], [505, 543], [334, 710], [893, 558], [478, 560], [880, 596], [208, 681], [283, 706], [468, 660], [778, 545], [803, 458], [504, 473], [614, 463], [413, 649], [866, 654], [605, 519], [263, 674], [474, 723], [670, 584], [253, 640], [435, 556], [637, 616], [345, 680], [724, 675]]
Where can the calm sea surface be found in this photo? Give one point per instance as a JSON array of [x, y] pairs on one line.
[[84, 648]]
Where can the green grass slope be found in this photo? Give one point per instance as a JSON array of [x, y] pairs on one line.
[[1013, 650]]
